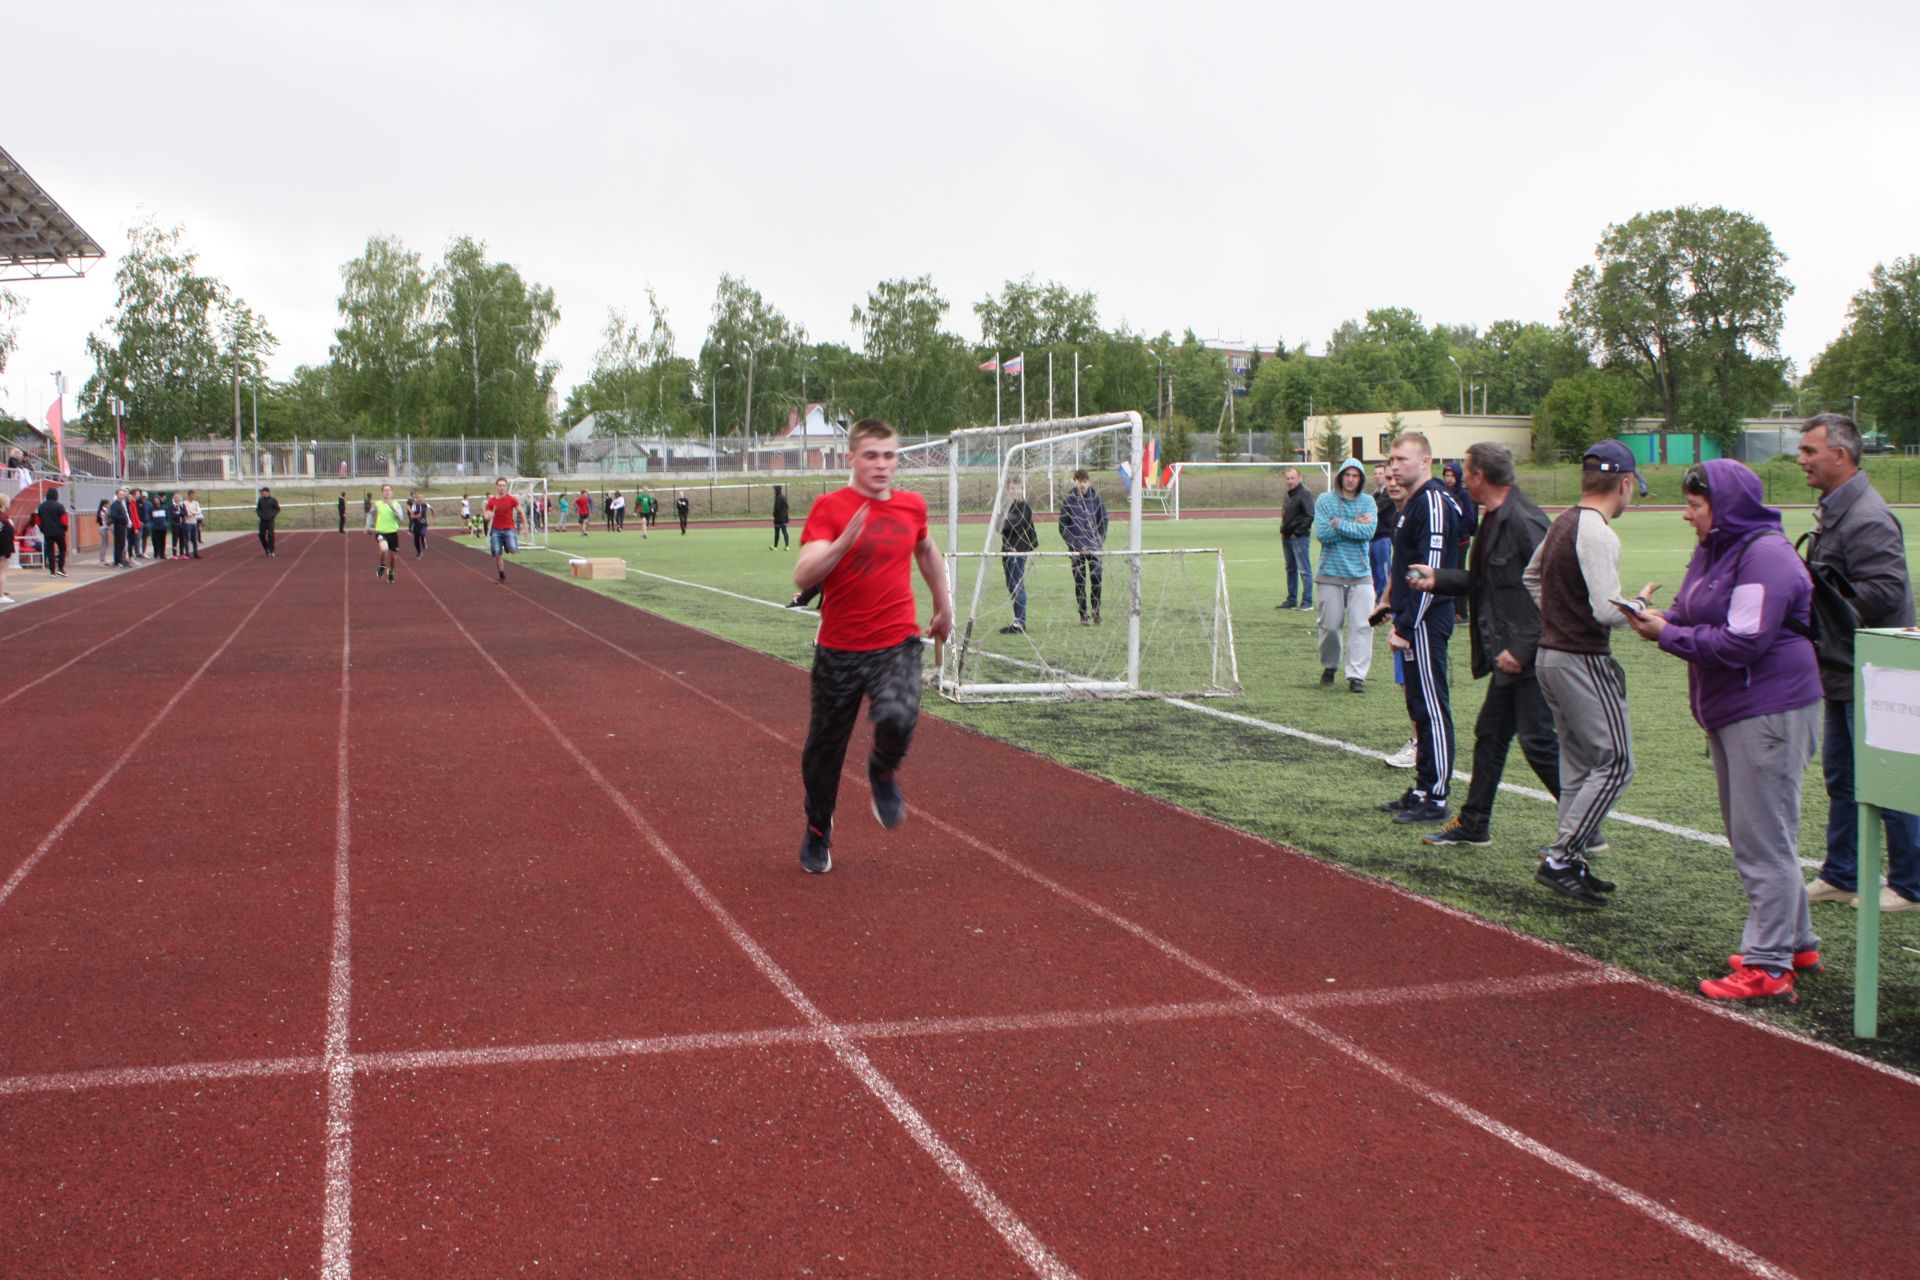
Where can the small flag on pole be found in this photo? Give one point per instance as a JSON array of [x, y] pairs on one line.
[[1016, 365], [991, 366]]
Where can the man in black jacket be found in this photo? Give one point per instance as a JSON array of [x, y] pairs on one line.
[[780, 514], [120, 520], [1504, 627], [1083, 527], [268, 510], [1017, 538], [51, 515], [1296, 541]]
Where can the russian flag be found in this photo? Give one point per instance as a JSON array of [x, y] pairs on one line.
[[1016, 365]]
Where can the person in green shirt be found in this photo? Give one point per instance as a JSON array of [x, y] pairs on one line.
[[389, 518]]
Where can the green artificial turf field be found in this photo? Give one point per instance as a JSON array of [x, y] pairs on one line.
[[1679, 908]]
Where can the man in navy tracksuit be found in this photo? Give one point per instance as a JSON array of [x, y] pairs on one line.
[[1428, 531]]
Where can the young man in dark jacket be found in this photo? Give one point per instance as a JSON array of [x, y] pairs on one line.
[[120, 521], [1380, 554], [6, 551], [1083, 527], [1426, 532], [1504, 628], [1856, 534], [1017, 539], [51, 516], [780, 513], [1296, 542], [267, 510]]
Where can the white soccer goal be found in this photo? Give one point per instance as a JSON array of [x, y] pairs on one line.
[[532, 492], [1248, 484], [1152, 598]]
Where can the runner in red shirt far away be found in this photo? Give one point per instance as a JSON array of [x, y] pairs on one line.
[[583, 505], [502, 537], [859, 543]]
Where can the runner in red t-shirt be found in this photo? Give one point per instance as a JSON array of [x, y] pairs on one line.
[[583, 506], [502, 525], [859, 544]]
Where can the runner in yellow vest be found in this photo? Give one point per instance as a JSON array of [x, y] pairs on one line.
[[389, 518]]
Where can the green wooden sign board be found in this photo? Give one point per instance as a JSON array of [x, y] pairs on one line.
[[1886, 775]]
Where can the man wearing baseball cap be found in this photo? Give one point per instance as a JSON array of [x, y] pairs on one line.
[[1574, 577]]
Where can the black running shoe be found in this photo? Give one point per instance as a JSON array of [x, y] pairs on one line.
[[1594, 882], [380, 572], [1421, 813], [889, 806], [816, 854], [1569, 883], [1457, 832], [1326, 675], [503, 575], [1013, 629], [1356, 685], [1398, 803]]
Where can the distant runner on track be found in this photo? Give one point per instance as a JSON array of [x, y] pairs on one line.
[[502, 539], [389, 517], [860, 542]]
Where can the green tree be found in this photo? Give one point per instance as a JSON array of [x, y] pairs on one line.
[[1579, 410], [1034, 317], [1519, 361], [915, 374], [381, 348], [1333, 440], [1198, 378], [753, 337], [489, 326], [1685, 298], [1878, 356], [304, 407], [171, 346], [1390, 360], [11, 305], [1176, 439]]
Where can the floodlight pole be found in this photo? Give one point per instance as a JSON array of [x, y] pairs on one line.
[[238, 457], [746, 413], [1460, 384]]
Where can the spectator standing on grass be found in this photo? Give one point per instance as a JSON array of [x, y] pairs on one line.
[[267, 510], [503, 540], [105, 534], [343, 510], [1380, 550], [1855, 535], [1426, 532], [1083, 527], [1396, 493], [583, 508], [780, 512], [51, 517], [177, 521], [1503, 626], [650, 507], [1343, 519], [6, 550], [1018, 540], [683, 508], [1296, 542], [1457, 486], [1574, 578], [389, 516], [1740, 621], [419, 512], [196, 521], [619, 510], [119, 519], [862, 543]]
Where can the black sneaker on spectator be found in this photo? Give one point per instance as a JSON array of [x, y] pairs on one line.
[[1457, 832], [1569, 883], [1421, 812]]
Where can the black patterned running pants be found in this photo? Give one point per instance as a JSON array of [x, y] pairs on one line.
[[889, 679]]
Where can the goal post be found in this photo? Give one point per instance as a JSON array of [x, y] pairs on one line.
[[532, 492], [1254, 473]]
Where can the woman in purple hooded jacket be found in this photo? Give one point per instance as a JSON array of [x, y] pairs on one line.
[[1739, 622]]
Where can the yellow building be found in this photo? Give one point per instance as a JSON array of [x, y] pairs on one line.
[[1366, 434]]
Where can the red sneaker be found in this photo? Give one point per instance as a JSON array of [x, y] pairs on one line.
[[1805, 963], [1750, 984]]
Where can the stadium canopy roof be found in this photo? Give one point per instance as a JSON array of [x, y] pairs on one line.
[[38, 240]]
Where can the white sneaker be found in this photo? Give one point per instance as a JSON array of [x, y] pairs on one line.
[[1405, 756], [6, 599], [1826, 891], [1891, 901]]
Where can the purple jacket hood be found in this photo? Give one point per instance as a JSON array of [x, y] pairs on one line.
[[1729, 619]]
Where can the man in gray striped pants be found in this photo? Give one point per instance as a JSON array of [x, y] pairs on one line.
[[1574, 576]]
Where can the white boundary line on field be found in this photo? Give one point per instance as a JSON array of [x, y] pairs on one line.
[[336, 1231], [1018, 1236]]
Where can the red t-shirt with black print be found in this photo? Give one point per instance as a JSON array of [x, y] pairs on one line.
[[867, 601]]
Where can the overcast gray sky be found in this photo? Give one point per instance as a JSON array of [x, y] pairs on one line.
[[1252, 171]]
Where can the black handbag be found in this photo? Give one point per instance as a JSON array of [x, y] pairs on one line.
[[1834, 617]]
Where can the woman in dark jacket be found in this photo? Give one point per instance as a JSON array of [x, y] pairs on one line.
[[1739, 621]]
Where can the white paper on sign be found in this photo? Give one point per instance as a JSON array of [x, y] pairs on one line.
[[1893, 709]]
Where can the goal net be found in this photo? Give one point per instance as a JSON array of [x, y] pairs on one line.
[[1241, 486], [1164, 627], [533, 516]]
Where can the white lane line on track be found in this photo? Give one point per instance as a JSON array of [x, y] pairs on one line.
[[1018, 1236], [336, 1231], [1720, 1245], [117, 635], [80, 806], [178, 1073]]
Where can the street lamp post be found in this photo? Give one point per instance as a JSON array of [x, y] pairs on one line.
[[746, 415], [1460, 384], [713, 402], [1159, 399]]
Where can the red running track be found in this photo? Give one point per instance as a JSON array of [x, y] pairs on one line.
[[284, 992]]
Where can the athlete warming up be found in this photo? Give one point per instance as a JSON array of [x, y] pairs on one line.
[[502, 538], [860, 543], [389, 517]]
